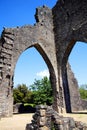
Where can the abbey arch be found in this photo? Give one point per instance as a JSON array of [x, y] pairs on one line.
[[54, 36]]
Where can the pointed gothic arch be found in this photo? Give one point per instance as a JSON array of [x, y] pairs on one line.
[[54, 35], [46, 60]]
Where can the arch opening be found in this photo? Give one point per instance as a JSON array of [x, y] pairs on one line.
[[74, 59], [29, 66], [77, 60], [35, 64]]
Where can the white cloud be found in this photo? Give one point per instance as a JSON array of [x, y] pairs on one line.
[[43, 73]]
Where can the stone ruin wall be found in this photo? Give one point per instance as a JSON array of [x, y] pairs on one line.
[[54, 36], [14, 41], [70, 26], [45, 118]]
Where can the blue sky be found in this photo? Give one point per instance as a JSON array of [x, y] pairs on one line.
[[78, 62], [30, 65], [20, 12]]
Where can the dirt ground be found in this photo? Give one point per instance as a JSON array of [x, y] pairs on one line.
[[19, 121], [78, 116], [16, 122]]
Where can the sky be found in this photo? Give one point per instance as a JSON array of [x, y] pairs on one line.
[[30, 65]]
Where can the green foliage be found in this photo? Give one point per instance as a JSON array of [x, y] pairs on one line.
[[22, 94], [39, 93], [42, 91], [83, 91], [17, 96]]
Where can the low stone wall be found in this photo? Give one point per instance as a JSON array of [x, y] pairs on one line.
[[16, 107], [46, 118], [84, 104]]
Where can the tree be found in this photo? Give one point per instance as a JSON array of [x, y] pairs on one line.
[[38, 93], [83, 91], [21, 94], [18, 96], [42, 91]]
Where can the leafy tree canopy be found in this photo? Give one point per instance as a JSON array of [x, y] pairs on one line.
[[40, 92], [21, 94]]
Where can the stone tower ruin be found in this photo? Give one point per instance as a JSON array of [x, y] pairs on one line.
[[54, 35]]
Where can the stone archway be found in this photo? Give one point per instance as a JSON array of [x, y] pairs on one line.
[[52, 75], [13, 42], [55, 32], [69, 27]]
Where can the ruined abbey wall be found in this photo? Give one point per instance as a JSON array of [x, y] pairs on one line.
[[70, 26], [15, 40], [54, 35]]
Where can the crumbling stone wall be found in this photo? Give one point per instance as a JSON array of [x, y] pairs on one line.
[[84, 104], [70, 26], [14, 41], [54, 36], [45, 118], [74, 95]]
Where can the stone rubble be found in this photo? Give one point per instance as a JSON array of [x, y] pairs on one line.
[[46, 118]]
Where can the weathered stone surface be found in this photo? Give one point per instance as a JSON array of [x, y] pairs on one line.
[[54, 35], [76, 103], [44, 128], [84, 104], [42, 121], [57, 122], [42, 113], [16, 107]]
